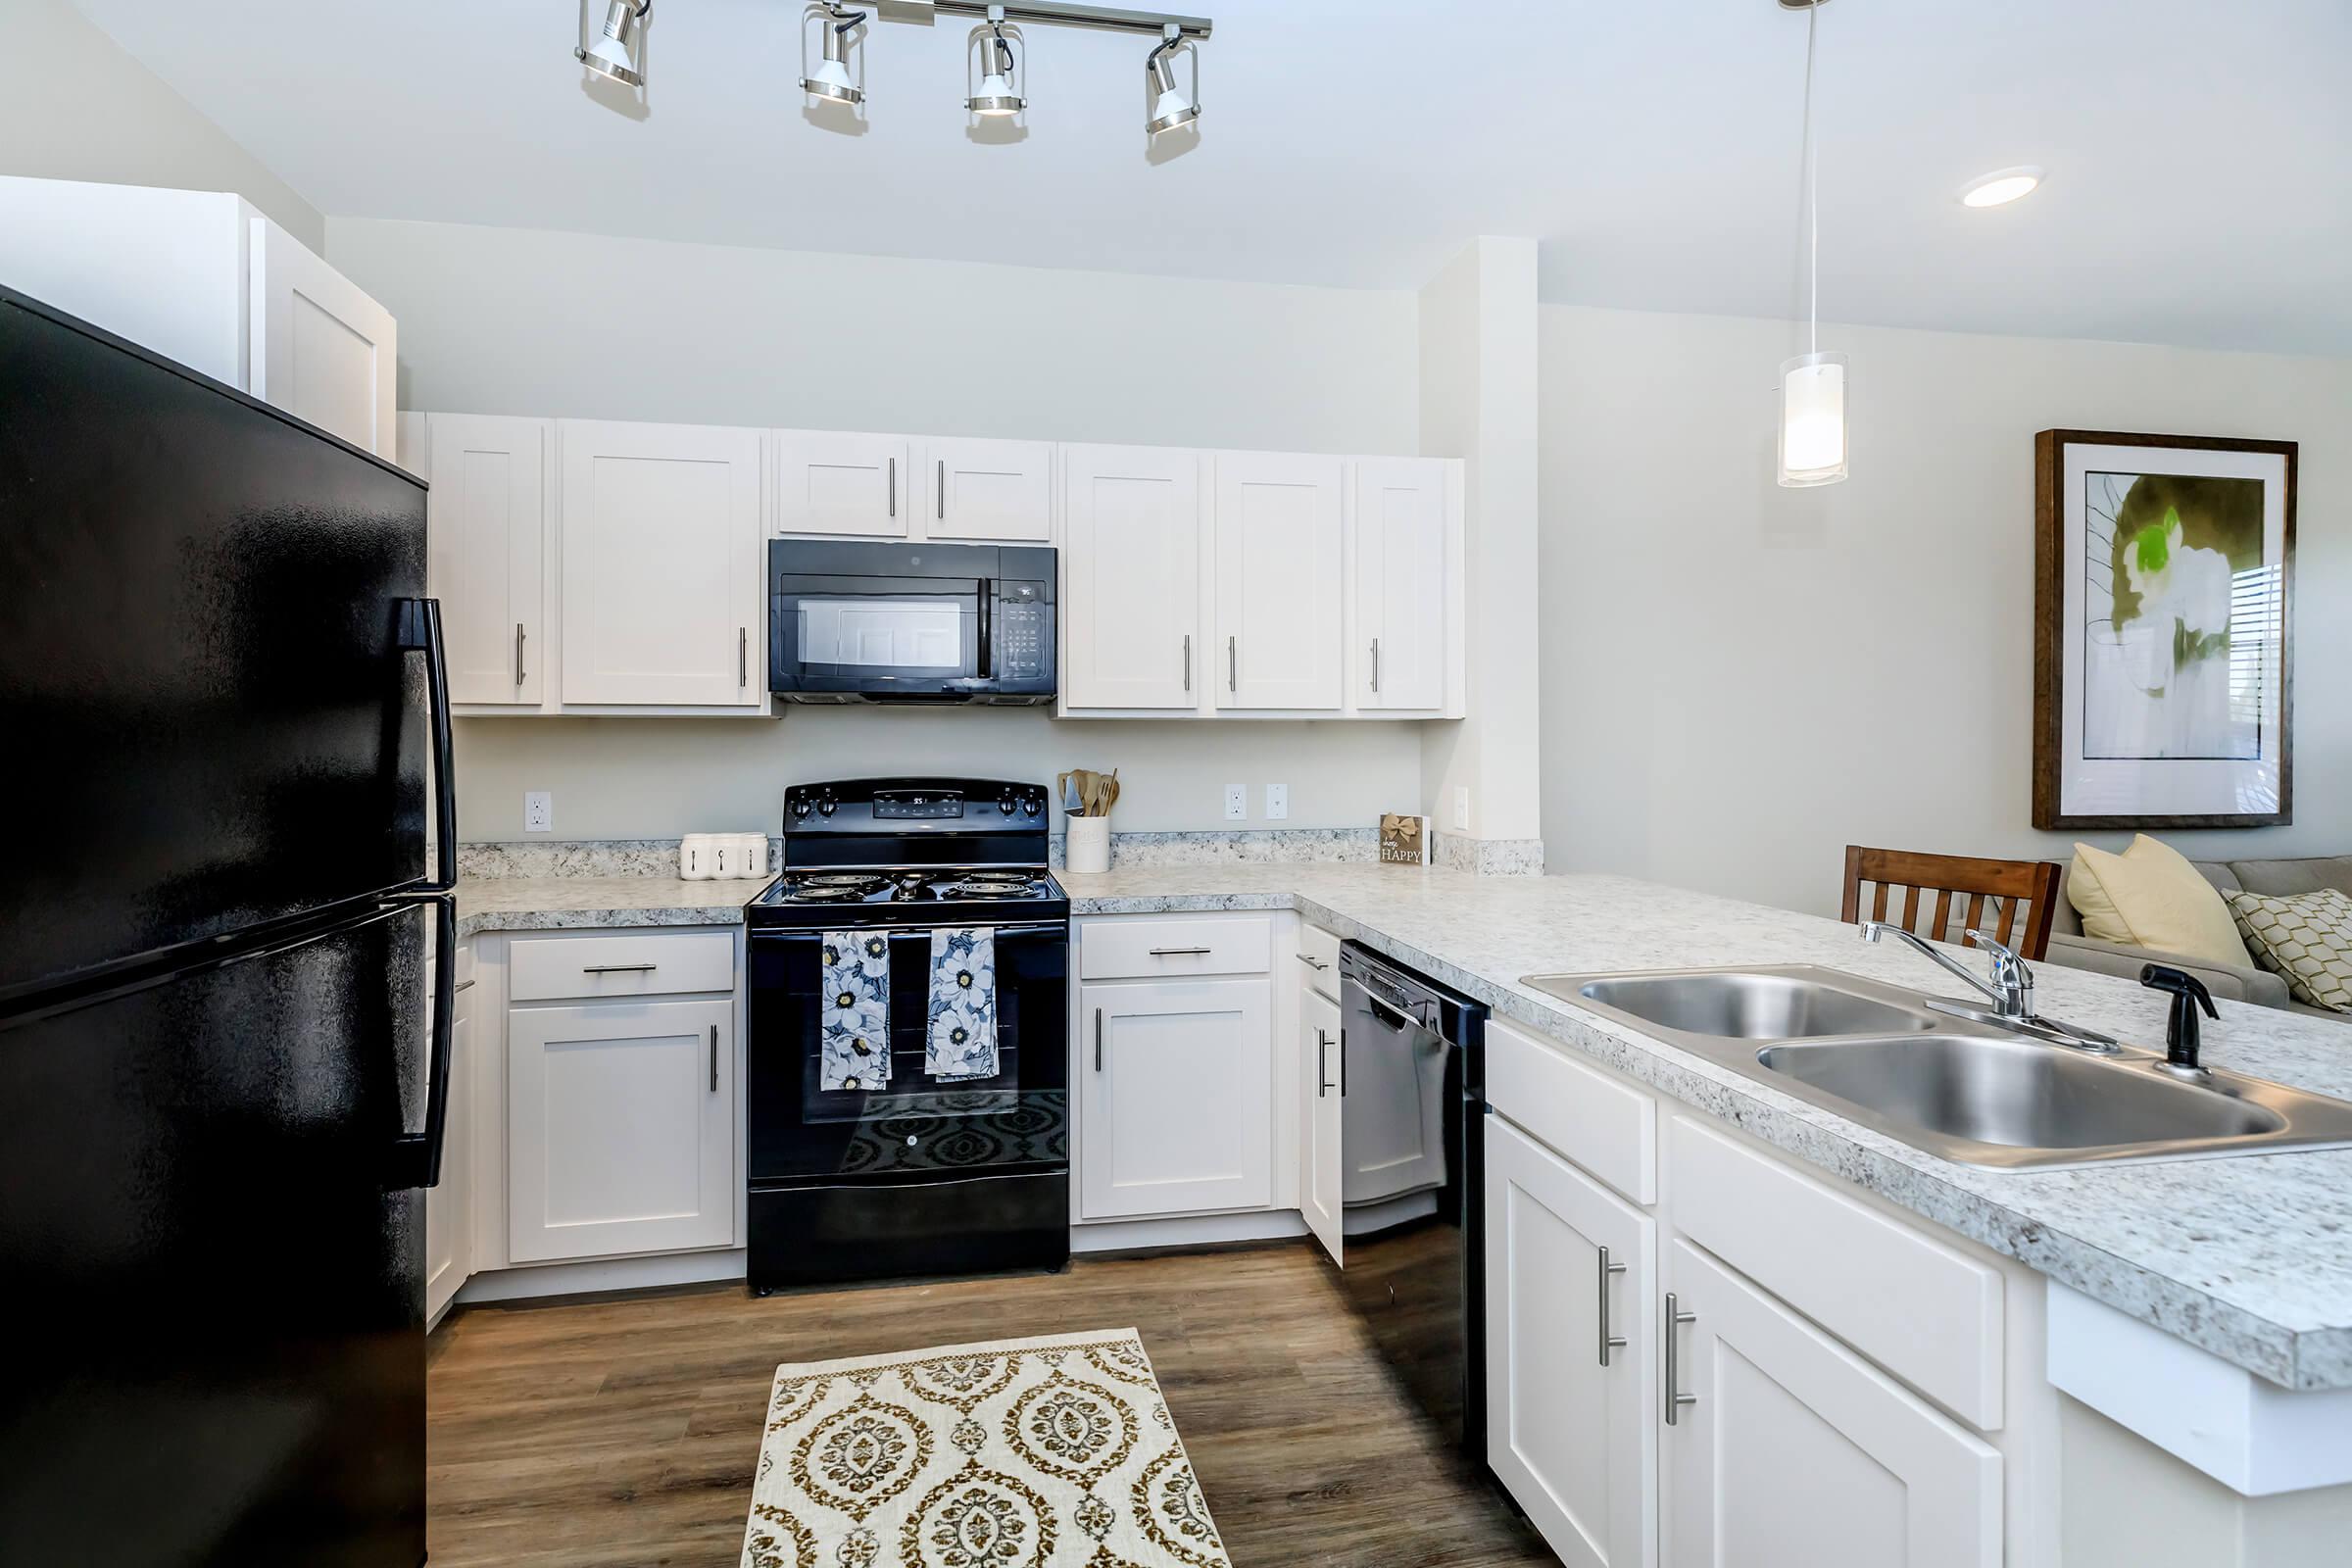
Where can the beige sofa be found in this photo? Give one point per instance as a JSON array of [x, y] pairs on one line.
[[2246, 982]]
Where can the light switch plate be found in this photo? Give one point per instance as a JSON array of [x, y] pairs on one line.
[[1278, 801], [538, 812], [1461, 808], [1237, 803]]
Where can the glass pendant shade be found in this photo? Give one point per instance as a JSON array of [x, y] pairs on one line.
[[1813, 419]]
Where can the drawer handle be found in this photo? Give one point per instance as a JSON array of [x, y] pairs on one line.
[[1178, 952], [460, 986], [714, 1058], [1608, 1342], [1310, 960], [617, 968], [1675, 1318]]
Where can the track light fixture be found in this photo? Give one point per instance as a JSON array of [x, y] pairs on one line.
[[614, 53], [1001, 67], [1172, 106], [829, 81]]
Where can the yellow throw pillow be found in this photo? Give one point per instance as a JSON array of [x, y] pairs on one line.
[[2151, 896]]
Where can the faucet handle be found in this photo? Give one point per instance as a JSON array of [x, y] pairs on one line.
[[2002, 953]]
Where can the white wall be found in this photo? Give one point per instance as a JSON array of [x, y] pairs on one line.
[[519, 322], [77, 107], [1738, 680]]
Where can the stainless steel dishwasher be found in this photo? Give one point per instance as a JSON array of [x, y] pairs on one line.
[[1412, 1083]]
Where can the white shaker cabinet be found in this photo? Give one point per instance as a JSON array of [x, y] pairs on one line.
[[989, 491], [1176, 1089], [621, 1128], [840, 482], [1319, 1085], [488, 532], [664, 579], [1398, 649], [448, 1204], [1130, 603], [322, 350], [1279, 523], [1798, 1453], [1571, 1353]]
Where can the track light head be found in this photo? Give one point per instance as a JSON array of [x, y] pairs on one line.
[[999, 59], [1171, 105], [612, 55], [829, 81]]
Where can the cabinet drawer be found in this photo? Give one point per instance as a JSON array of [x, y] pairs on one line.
[[1152, 950], [636, 964], [1923, 1311], [1607, 1127], [1319, 957]]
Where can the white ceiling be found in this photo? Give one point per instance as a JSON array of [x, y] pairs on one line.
[[2200, 154]]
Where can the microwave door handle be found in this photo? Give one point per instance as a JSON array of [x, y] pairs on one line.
[[987, 592]]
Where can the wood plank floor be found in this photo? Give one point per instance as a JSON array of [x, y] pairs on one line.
[[622, 1431]]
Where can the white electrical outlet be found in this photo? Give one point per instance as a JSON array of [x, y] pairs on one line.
[[1237, 803], [1278, 801], [1461, 808], [538, 812]]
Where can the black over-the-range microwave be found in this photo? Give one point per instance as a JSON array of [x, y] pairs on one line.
[[863, 622]]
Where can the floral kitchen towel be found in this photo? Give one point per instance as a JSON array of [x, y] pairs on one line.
[[961, 1040], [855, 1050]]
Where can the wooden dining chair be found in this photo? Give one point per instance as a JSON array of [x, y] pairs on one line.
[[2018, 891]]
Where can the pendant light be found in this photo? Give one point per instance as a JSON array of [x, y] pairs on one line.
[[829, 81], [1172, 106], [990, 54], [1812, 444], [612, 55]]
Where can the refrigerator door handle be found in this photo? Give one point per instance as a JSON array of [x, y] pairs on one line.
[[420, 632], [417, 1156]]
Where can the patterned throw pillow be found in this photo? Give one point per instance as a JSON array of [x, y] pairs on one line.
[[2306, 937]]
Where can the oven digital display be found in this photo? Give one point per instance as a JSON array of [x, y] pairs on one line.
[[902, 804]]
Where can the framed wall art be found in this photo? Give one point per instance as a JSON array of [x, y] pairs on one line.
[[2162, 619]]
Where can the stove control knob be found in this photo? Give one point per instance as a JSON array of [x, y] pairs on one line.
[[800, 809], [1004, 804], [1032, 805], [826, 806]]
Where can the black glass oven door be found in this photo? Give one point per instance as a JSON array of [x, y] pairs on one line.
[[915, 1127], [877, 636]]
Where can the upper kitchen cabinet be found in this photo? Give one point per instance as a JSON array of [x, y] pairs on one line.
[[488, 543], [1279, 551], [837, 483], [1403, 579], [202, 278], [663, 578], [1131, 575], [989, 490]]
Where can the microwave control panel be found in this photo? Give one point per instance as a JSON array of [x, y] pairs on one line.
[[1024, 624]]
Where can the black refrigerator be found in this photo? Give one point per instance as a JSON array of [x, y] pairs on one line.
[[221, 703]]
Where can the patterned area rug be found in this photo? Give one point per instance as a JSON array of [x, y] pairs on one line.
[[1055, 1452]]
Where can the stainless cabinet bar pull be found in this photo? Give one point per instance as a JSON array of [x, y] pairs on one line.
[[1097, 1040], [1376, 665], [1177, 952], [940, 491], [619, 969], [1675, 1318], [1322, 1055], [518, 653], [460, 986], [1187, 660], [743, 655], [1608, 1342], [714, 1058], [1310, 960], [894, 487], [1233, 664]]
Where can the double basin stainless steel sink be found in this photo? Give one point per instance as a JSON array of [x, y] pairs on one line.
[[1966, 1092]]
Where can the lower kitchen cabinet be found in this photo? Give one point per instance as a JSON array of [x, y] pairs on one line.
[[449, 1203], [1176, 1095], [1572, 1356], [1320, 1084], [1798, 1453], [621, 1128]]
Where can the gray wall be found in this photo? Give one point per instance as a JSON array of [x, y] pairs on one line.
[[77, 107], [520, 322], [1738, 680]]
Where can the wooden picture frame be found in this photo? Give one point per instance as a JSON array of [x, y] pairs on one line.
[[2144, 720]]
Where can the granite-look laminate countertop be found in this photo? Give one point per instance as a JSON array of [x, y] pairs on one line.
[[2249, 1258]]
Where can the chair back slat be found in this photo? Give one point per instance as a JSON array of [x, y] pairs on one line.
[[2019, 892]]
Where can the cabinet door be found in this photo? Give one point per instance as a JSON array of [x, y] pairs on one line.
[[322, 350], [1571, 1269], [1131, 603], [662, 565], [1400, 642], [448, 1225], [1319, 1168], [1278, 531], [488, 544], [1175, 1115], [839, 482], [989, 490], [1801, 1454], [621, 1128]]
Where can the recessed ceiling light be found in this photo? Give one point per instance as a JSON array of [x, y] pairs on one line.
[[2001, 186]]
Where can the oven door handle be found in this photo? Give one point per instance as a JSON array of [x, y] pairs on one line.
[[901, 934]]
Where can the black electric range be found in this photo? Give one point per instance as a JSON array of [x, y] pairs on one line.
[[916, 1177]]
